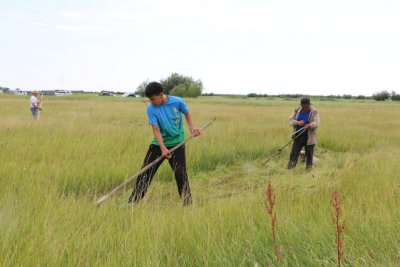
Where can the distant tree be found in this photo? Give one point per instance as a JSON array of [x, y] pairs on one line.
[[208, 94], [346, 96], [140, 89], [395, 96], [360, 97], [252, 95], [381, 96], [186, 90], [173, 80], [180, 85], [5, 90], [290, 95]]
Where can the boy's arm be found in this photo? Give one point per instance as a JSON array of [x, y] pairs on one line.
[[158, 136], [193, 131]]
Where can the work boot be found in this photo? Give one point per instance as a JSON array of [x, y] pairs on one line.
[[130, 200], [291, 164], [187, 201]]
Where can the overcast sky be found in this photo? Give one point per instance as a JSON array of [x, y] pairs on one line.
[[239, 47]]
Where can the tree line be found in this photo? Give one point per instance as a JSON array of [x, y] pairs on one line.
[[185, 86], [385, 95], [379, 96]]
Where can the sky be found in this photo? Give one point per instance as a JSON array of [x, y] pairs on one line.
[[313, 47]]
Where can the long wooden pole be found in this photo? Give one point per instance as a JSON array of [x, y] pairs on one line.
[[39, 107], [144, 169], [301, 130]]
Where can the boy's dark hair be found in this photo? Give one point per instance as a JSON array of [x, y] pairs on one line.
[[153, 88]]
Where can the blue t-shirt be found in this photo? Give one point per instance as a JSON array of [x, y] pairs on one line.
[[303, 116], [168, 118]]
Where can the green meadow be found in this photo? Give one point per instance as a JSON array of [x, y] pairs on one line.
[[53, 171]]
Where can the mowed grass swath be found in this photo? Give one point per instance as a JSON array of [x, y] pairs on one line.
[[53, 171]]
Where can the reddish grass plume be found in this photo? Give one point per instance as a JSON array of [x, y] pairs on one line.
[[339, 226], [269, 204]]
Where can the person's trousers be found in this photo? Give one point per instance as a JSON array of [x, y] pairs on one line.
[[34, 112], [178, 165], [298, 144]]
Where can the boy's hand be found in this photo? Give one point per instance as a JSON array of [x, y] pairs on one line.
[[196, 132], [165, 153]]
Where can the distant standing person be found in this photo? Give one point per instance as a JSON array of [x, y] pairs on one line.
[[165, 117], [35, 105], [305, 117]]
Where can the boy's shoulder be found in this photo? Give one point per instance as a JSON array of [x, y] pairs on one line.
[[174, 99]]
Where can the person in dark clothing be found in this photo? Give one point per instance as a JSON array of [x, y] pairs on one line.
[[305, 121], [165, 117]]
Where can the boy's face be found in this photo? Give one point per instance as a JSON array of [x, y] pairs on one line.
[[157, 100], [305, 107]]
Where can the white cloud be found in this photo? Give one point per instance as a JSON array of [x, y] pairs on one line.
[[17, 15], [39, 23], [27, 18], [71, 14], [70, 28]]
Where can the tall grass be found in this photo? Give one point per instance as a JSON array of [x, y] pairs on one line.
[[52, 171]]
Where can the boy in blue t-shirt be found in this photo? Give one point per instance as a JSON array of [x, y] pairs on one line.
[[165, 117]]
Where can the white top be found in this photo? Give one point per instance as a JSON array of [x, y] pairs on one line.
[[34, 102]]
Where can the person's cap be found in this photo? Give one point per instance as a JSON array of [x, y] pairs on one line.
[[305, 101]]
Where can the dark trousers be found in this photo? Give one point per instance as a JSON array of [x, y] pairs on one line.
[[178, 165], [298, 144]]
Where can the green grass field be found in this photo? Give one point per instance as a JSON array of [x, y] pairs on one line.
[[53, 171]]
